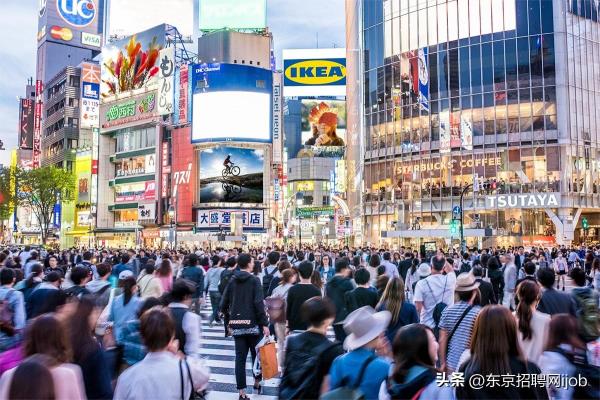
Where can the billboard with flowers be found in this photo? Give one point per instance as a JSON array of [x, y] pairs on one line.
[[132, 63]]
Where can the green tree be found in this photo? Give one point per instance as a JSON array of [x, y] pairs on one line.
[[41, 188], [7, 192]]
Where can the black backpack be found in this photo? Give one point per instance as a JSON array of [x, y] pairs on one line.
[[300, 381], [583, 369], [226, 276], [266, 280]]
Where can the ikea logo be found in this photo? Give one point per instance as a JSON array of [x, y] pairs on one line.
[[315, 72]]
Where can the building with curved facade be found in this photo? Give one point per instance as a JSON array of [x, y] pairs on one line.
[[498, 95]]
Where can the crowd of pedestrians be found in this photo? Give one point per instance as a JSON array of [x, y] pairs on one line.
[[406, 325]]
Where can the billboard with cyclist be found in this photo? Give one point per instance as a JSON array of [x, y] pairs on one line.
[[231, 175]]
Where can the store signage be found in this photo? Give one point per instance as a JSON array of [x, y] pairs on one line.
[[277, 118], [137, 166], [137, 109], [89, 39], [311, 212], [78, 13], [215, 218], [314, 72], [62, 33], [146, 212], [166, 81], [135, 191], [533, 200], [83, 218], [26, 117], [450, 163], [126, 224], [183, 94], [37, 124], [90, 96]]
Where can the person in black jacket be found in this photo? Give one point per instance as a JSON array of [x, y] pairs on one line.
[[405, 265], [485, 288], [336, 290], [46, 297], [243, 304], [364, 294]]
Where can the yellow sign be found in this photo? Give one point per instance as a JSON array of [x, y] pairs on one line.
[[316, 72], [305, 186]]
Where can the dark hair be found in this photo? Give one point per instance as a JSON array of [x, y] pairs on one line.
[[341, 264], [148, 303], [528, 293], [273, 257], [192, 260], [125, 258], [287, 275], [216, 261], [127, 284], [46, 335], [411, 348], [578, 276], [78, 274], [165, 268], [87, 255], [305, 269], [182, 288], [204, 262], [546, 277], [283, 265], [316, 310], [157, 328], [382, 281], [243, 260], [32, 379], [36, 271], [231, 262], [7, 276], [477, 270], [563, 330], [438, 262], [80, 332], [493, 342], [53, 276], [316, 280], [374, 261], [103, 269], [362, 276], [529, 268]]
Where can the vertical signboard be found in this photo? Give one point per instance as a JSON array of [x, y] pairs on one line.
[[184, 174], [26, 118], [183, 94], [166, 169], [90, 96], [94, 184], [166, 81], [423, 68], [277, 119], [37, 125]]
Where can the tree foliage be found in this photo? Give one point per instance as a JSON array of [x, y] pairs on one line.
[[7, 192], [41, 188]]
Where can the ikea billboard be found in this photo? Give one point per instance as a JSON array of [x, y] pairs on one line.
[[314, 72]]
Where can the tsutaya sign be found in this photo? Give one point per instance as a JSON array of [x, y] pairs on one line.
[[532, 200]]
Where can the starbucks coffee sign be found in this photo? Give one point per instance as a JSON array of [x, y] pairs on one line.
[[530, 200]]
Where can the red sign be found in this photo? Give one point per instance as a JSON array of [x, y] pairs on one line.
[[166, 168], [183, 94], [150, 190], [184, 173], [26, 118], [37, 124]]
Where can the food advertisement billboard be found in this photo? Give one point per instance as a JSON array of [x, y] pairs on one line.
[[314, 72], [126, 17], [26, 114], [231, 175], [132, 63], [232, 14], [231, 102]]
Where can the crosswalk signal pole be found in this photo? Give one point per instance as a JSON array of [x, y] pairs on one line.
[[463, 246]]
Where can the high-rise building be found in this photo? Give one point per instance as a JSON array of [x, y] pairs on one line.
[[497, 100]]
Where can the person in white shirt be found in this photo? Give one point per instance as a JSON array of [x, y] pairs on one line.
[[391, 269], [533, 325], [510, 282], [436, 288], [187, 323], [160, 374]]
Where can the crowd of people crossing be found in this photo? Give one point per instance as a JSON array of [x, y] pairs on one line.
[[348, 323]]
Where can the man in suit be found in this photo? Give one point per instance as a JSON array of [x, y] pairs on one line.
[[485, 288], [520, 258]]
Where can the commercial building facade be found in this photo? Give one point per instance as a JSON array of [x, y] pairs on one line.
[[499, 95]]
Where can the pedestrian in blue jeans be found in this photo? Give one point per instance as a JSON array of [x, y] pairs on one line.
[[211, 285]]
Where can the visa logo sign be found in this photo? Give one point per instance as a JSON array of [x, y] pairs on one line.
[[315, 72]]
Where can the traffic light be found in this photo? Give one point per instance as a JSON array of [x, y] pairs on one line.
[[585, 224], [454, 227]]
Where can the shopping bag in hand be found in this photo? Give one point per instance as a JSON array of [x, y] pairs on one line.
[[268, 359]]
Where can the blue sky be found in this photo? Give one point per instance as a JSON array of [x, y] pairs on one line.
[[294, 23]]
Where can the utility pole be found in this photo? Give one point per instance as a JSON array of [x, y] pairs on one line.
[[463, 246]]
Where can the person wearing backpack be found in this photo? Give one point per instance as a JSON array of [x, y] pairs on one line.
[[588, 315], [565, 355], [12, 311], [360, 372], [80, 276], [434, 293], [227, 274], [269, 272], [192, 272], [309, 355], [211, 285]]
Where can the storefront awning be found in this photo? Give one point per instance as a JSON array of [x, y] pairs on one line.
[[123, 206]]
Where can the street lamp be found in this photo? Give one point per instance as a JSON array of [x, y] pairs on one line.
[[173, 225], [299, 202]]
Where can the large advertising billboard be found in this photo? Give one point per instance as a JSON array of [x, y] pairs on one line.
[[73, 22], [314, 72], [132, 63], [135, 191], [231, 102], [139, 165], [233, 14], [26, 116], [183, 173], [90, 96], [128, 112], [126, 17], [231, 175]]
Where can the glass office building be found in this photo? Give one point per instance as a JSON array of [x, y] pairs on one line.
[[499, 95]]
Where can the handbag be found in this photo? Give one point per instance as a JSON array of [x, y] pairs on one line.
[[268, 358], [102, 322], [194, 395], [275, 308]]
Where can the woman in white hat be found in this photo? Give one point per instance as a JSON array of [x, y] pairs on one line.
[[364, 366]]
